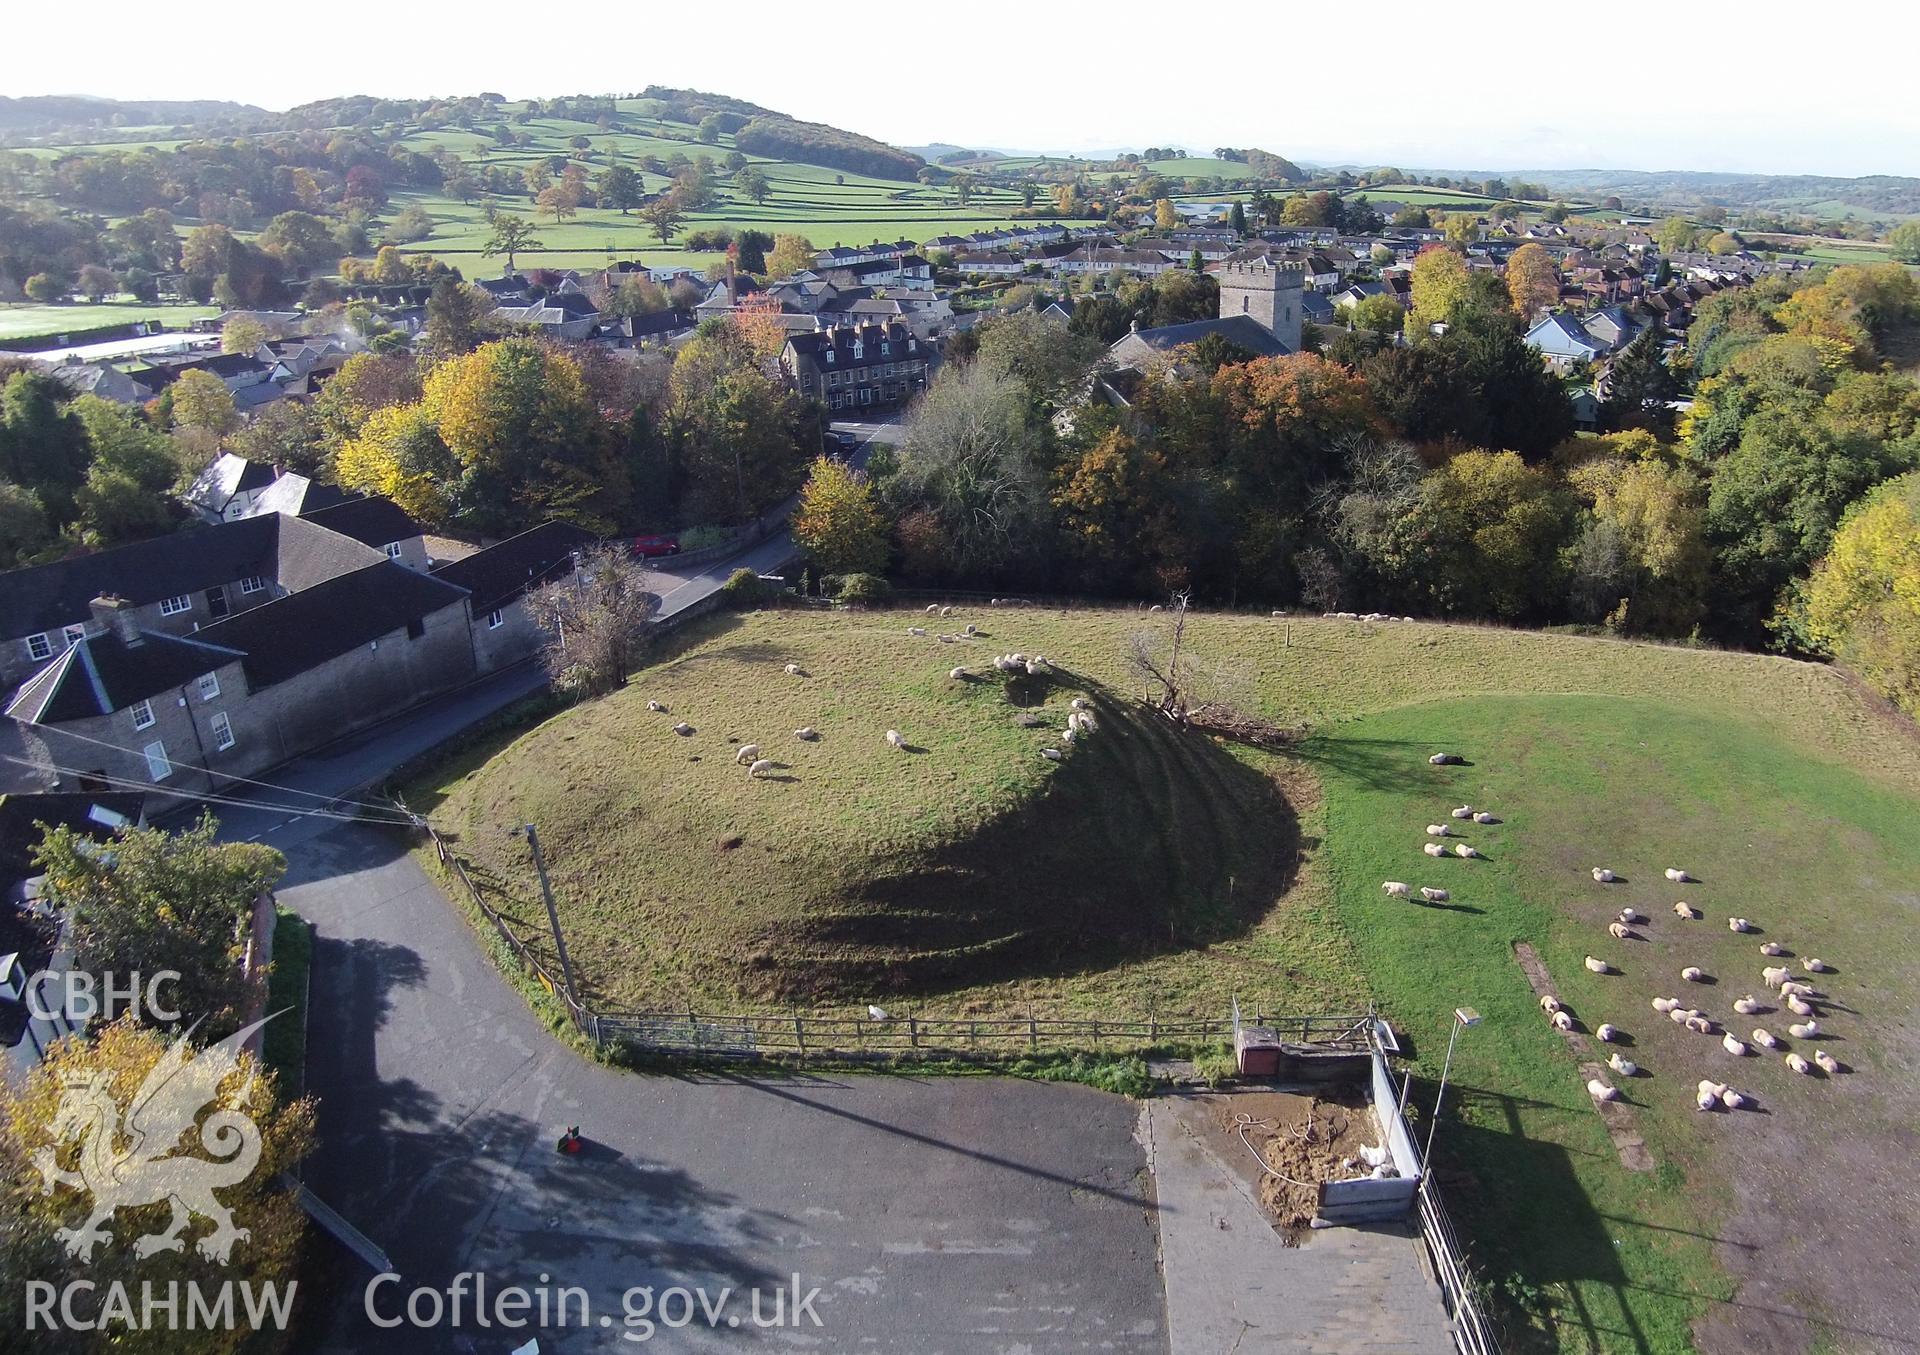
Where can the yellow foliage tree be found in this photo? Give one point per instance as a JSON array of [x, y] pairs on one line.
[[1165, 218], [398, 453], [201, 400], [1533, 280], [791, 254], [839, 522], [1440, 283], [1862, 603]]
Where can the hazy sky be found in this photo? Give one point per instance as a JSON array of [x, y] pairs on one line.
[[1763, 87]]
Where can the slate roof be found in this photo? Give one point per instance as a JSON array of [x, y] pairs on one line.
[[225, 476], [289, 635], [372, 520], [1243, 331], [103, 673], [21, 815], [502, 572], [298, 495]]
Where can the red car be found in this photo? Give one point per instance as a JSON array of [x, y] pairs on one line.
[[652, 547]]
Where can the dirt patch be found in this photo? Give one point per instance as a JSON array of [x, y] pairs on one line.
[[1306, 1139], [1618, 1116]]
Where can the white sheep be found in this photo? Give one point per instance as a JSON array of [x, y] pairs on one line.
[[1463, 812], [1602, 875], [806, 733], [1433, 895], [1081, 703], [1694, 974], [1772, 949], [1067, 736], [1686, 910], [1817, 966], [746, 752], [1746, 1006], [946, 611], [1828, 1063], [683, 729], [948, 639], [1798, 1005], [1735, 1047], [933, 609], [1050, 754], [1466, 853], [1795, 988], [1706, 1099], [1631, 916], [1804, 1030], [655, 706], [761, 767], [1484, 817], [1619, 931], [1398, 889], [1598, 965], [1699, 1025], [1600, 1091], [1732, 1099], [1775, 975], [971, 630], [1680, 1015], [1433, 849], [894, 740], [1664, 1005], [957, 674], [1444, 759], [1798, 1064], [1550, 1004], [1438, 830], [794, 670], [1018, 658], [1677, 876], [920, 631], [1765, 1038], [1606, 1034], [1562, 1020], [1035, 667], [1623, 1065], [1086, 722], [1739, 924]]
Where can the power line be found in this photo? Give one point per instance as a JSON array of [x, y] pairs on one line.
[[129, 783]]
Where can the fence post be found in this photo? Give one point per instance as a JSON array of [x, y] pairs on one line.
[[799, 1033], [913, 1032], [1033, 1033]]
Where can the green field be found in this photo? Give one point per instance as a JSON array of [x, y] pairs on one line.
[[30, 320], [1200, 167], [859, 870]]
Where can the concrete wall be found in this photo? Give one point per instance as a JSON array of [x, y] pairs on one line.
[[515, 639], [1393, 1198]]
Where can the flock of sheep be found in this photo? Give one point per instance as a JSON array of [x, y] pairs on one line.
[[1795, 994], [1080, 719]]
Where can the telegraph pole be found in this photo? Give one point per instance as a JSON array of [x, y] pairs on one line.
[[553, 914]]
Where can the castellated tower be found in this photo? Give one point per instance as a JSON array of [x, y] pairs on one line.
[[1266, 291]]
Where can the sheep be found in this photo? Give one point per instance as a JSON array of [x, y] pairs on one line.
[[1630, 916], [1804, 1030], [794, 670], [894, 740], [1678, 877], [1739, 924], [1733, 1046], [1664, 1005], [746, 752], [1081, 703], [1086, 722], [1765, 1038], [806, 734], [1775, 975], [1705, 1099], [1746, 1006], [1798, 1005], [656, 706], [1598, 965], [1463, 812], [1817, 966], [1067, 736], [948, 639], [761, 767], [1439, 830], [1600, 1091], [933, 609], [1828, 1063], [1432, 895], [1050, 754], [1018, 658], [920, 631], [1562, 1020], [957, 674], [1619, 931], [1602, 875], [683, 729], [1623, 1065], [1444, 759], [1699, 1025], [1694, 974], [1772, 949], [1686, 910], [1798, 1064], [1550, 1004], [1483, 817], [1397, 889], [1466, 853], [1732, 1099], [946, 611], [971, 630], [1607, 1033], [1433, 849], [1680, 1015], [1795, 988], [1035, 667]]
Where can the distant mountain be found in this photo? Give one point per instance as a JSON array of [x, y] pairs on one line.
[[41, 114], [1872, 195], [762, 131]]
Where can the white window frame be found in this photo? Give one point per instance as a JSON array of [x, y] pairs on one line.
[[495, 619], [139, 709], [222, 729], [73, 635], [39, 646], [159, 766], [173, 606], [253, 583], [393, 550], [209, 686]]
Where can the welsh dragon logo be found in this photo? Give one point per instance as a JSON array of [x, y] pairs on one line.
[[131, 1164]]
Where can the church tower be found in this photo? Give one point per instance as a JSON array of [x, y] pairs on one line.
[[1264, 291]]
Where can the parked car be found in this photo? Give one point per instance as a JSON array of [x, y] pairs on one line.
[[652, 547], [847, 442]]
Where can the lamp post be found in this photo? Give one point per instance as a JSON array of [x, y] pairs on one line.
[[1462, 1016]]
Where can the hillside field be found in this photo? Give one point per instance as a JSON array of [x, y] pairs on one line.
[[27, 320], [1153, 868]]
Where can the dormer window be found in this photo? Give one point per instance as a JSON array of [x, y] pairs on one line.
[[829, 357], [859, 349]]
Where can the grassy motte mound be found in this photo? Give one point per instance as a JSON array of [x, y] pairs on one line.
[[855, 868]]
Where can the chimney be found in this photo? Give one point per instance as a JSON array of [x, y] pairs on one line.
[[116, 615]]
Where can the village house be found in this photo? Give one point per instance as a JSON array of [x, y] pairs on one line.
[[497, 581], [856, 367]]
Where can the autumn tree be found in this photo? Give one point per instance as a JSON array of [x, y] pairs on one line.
[[396, 451], [1165, 218], [202, 401], [594, 621], [839, 521], [1862, 603], [1533, 280], [559, 201], [1440, 286], [242, 334], [972, 461], [663, 214], [1640, 559], [791, 254], [508, 235]]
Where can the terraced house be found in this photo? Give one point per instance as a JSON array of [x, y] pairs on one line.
[[856, 366]]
